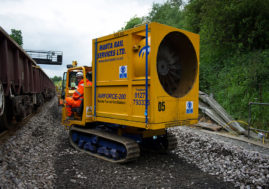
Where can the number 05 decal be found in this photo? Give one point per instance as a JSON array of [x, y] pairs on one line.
[[161, 106]]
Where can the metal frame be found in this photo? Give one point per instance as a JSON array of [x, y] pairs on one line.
[[46, 57], [146, 101], [95, 72], [249, 117]]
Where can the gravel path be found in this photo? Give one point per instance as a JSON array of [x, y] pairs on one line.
[[244, 164], [27, 158], [39, 156], [151, 170]]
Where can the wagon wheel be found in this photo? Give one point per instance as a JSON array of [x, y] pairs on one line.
[[2, 99], [3, 119], [6, 119], [3, 122], [5, 113]]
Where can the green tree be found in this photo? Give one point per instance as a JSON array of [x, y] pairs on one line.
[[193, 15], [56, 79], [230, 25], [17, 36], [226, 28], [234, 51], [169, 13], [133, 22]]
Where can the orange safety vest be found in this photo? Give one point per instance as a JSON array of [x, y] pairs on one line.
[[76, 99], [78, 94]]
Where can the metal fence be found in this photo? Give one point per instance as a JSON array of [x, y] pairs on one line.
[[250, 117]]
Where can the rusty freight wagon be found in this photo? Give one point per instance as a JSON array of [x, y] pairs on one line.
[[23, 85]]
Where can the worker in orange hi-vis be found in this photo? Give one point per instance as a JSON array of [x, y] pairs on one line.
[[76, 99]]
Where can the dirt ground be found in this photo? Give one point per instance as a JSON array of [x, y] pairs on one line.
[[79, 170]]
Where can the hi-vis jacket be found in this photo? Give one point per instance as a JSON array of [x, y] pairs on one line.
[[76, 99], [78, 94]]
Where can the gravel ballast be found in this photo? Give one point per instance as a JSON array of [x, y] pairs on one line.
[[39, 156], [27, 157], [244, 164]]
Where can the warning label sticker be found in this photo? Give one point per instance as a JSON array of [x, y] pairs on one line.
[[189, 107], [122, 72]]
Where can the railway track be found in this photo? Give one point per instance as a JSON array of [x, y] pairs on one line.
[[7, 133], [15, 126]]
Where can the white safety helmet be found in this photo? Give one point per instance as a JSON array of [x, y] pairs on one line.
[[79, 74]]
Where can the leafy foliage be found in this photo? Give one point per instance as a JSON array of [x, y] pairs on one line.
[[133, 22], [247, 80], [169, 13], [56, 78], [234, 60], [17, 36]]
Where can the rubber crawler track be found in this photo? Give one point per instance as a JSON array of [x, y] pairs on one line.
[[132, 148], [172, 142]]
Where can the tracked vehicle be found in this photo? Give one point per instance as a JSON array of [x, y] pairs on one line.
[[144, 81]]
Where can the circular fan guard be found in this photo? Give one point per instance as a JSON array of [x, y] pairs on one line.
[[176, 64]]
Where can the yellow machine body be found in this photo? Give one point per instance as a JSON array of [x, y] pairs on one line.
[[118, 94]]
